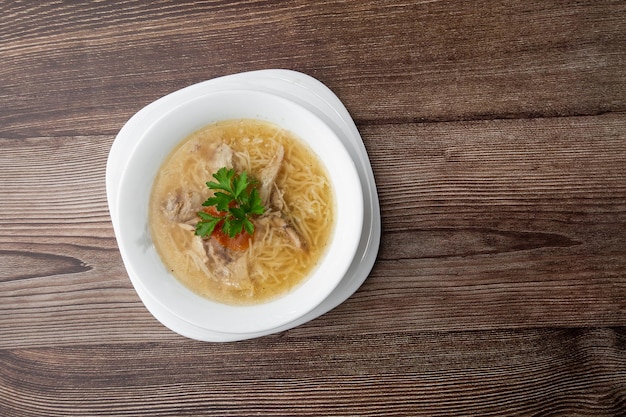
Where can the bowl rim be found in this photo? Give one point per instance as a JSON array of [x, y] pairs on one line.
[[265, 315]]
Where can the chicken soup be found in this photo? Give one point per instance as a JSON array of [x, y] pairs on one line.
[[241, 211]]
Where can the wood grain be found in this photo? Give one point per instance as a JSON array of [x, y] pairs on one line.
[[497, 135], [91, 65], [456, 373]]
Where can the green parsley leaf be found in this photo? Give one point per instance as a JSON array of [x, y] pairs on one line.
[[235, 199], [206, 226]]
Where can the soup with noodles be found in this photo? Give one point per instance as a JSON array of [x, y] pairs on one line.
[[289, 237]]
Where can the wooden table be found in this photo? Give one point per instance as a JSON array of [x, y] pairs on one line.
[[497, 135]]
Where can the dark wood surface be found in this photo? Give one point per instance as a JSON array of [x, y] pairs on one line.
[[497, 136]]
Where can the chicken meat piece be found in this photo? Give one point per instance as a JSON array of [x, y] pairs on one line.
[[222, 157], [181, 207], [276, 221], [267, 176], [229, 267]]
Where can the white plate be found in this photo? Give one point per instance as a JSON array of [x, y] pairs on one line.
[[316, 97]]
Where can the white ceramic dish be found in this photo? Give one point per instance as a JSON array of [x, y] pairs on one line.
[[283, 85]]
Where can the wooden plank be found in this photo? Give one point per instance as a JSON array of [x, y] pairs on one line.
[[503, 372], [501, 223], [91, 66]]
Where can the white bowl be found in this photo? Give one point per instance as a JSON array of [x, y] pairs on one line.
[[170, 120]]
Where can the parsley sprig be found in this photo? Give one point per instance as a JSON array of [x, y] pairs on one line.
[[235, 199]]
